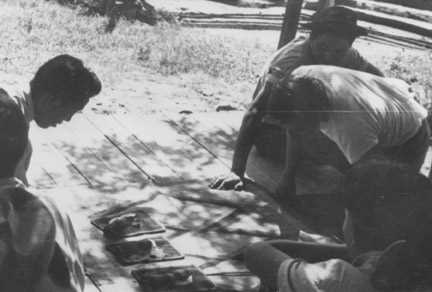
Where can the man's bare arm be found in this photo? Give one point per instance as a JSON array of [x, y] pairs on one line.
[[242, 149], [245, 140], [244, 143]]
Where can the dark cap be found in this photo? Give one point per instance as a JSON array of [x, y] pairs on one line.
[[336, 19]]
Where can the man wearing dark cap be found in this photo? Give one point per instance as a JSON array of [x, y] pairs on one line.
[[333, 30]]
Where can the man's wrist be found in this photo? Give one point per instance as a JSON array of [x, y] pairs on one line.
[[238, 171]]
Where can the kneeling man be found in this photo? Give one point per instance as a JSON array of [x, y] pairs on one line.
[[362, 114]]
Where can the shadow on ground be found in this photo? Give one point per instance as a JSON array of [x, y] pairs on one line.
[[170, 176]]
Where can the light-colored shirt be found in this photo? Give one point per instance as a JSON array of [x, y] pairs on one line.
[[365, 110], [334, 275], [37, 225]]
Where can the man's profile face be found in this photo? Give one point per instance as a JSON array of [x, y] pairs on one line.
[[329, 49], [50, 111]]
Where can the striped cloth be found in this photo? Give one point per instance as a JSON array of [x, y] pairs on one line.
[[329, 276]]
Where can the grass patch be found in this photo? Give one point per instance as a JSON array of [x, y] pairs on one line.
[[33, 31], [416, 70]]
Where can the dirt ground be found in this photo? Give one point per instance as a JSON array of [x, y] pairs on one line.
[[152, 94]]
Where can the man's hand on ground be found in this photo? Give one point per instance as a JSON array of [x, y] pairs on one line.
[[230, 181]]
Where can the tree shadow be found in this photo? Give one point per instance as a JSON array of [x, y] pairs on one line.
[[208, 226], [218, 137], [323, 211], [109, 171]]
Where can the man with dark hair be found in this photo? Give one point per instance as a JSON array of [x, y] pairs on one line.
[[60, 88], [38, 248], [333, 30], [363, 115]]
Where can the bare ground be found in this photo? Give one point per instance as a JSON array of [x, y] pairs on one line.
[[154, 93]]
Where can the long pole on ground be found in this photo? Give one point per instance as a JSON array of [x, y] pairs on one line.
[[290, 21]]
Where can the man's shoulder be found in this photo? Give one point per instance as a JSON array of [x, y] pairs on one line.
[[298, 42], [354, 60], [15, 95], [291, 55], [3, 92], [12, 94], [295, 47], [11, 91], [353, 53], [29, 217]]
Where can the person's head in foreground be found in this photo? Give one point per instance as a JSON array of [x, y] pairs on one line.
[[60, 88], [333, 31], [388, 208]]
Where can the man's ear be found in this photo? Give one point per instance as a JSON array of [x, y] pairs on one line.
[[49, 101]]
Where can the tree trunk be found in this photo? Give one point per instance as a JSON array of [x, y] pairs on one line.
[[290, 22]]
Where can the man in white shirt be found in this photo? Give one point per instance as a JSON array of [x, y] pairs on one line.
[[333, 31], [361, 113]]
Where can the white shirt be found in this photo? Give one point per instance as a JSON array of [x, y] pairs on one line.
[[365, 109], [334, 275]]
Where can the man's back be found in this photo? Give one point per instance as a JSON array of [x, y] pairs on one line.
[[380, 109]]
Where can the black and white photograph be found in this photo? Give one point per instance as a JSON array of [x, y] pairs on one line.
[[215, 146]]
